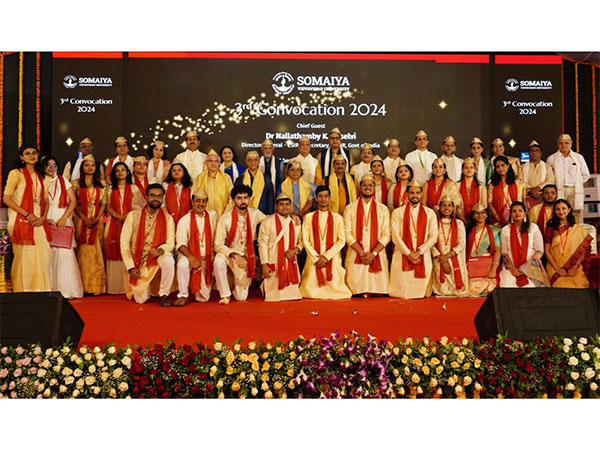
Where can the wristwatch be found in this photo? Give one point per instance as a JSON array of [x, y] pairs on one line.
[[375, 253], [420, 252]]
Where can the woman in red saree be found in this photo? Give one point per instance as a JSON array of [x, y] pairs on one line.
[[567, 247]]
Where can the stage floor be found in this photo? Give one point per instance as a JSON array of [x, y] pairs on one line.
[[114, 319]]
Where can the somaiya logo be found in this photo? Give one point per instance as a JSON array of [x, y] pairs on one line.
[[511, 85], [70, 81], [282, 78]]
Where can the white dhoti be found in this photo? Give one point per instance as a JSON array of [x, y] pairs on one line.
[[241, 282], [141, 290], [183, 280]]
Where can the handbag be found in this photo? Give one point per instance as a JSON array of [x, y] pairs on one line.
[[61, 238], [479, 267]]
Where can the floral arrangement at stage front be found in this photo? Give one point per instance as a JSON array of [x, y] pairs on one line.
[[350, 366]]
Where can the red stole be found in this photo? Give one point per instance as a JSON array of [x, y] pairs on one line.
[[160, 237], [23, 230], [63, 200], [176, 210], [542, 220], [407, 266], [434, 193], [112, 246], [250, 256], [142, 185], [518, 252], [287, 269], [469, 199], [384, 190], [471, 240], [376, 265], [328, 244], [194, 246], [83, 199], [458, 282], [397, 200], [499, 199]]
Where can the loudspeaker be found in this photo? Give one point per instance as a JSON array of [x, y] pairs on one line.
[[528, 313], [38, 317]]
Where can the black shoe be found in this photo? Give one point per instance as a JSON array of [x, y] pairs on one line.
[[164, 301]]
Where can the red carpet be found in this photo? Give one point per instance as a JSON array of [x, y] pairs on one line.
[[113, 318]]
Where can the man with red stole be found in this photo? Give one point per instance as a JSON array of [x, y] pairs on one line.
[[279, 242], [367, 226], [147, 240], [414, 232], [194, 241], [536, 175], [234, 246], [449, 265], [540, 214], [324, 238]]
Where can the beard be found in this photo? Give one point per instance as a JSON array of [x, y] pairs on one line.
[[154, 204]]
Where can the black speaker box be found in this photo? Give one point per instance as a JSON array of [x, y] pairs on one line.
[[528, 313], [38, 317]]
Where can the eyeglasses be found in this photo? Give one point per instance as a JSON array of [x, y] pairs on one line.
[[34, 153], [52, 166]]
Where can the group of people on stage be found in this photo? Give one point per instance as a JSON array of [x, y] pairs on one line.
[[146, 227]]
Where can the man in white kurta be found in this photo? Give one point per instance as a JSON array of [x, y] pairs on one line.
[[570, 172], [188, 260], [404, 283], [364, 166], [279, 263], [72, 170], [392, 160], [323, 275], [192, 158], [311, 169], [234, 246], [366, 261], [142, 275], [536, 174], [453, 163], [450, 276], [421, 159]]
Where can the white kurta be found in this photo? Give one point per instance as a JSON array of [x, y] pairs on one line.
[[240, 281], [268, 240], [128, 161], [421, 162], [182, 238], [159, 175], [404, 284], [536, 244], [360, 170], [570, 173], [390, 165], [358, 277], [448, 287], [537, 176], [453, 167], [309, 166], [62, 260], [309, 286], [193, 162]]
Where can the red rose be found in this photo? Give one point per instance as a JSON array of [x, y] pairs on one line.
[[165, 395], [528, 367], [492, 380], [523, 379], [187, 348], [153, 371], [554, 350], [187, 380], [506, 358], [195, 390], [548, 364], [192, 368], [513, 374], [480, 377], [144, 381], [492, 341], [204, 359], [173, 375], [544, 355], [185, 361], [203, 375], [209, 387], [500, 372], [537, 341], [520, 362], [541, 372], [546, 344], [508, 340], [510, 392]]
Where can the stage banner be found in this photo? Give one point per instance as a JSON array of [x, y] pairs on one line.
[[240, 99]]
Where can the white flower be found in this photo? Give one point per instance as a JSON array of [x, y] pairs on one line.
[[111, 350], [580, 347], [596, 351], [53, 381], [48, 352], [88, 357], [96, 349], [467, 380], [47, 393], [75, 392], [112, 362], [574, 375], [100, 363], [126, 361], [99, 356], [62, 389], [573, 361], [593, 386], [585, 356], [46, 364], [123, 386], [67, 371], [74, 357], [78, 361], [426, 341], [567, 341], [92, 369], [41, 373], [69, 380], [583, 340], [589, 373], [118, 372], [570, 387], [96, 390], [60, 361], [56, 369], [597, 365], [79, 383], [444, 340], [104, 376], [83, 350], [128, 352], [112, 393], [566, 349], [89, 380], [465, 342], [78, 372]]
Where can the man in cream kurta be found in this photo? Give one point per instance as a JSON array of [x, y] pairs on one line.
[[232, 249], [570, 172], [405, 284], [536, 174], [310, 286], [392, 160], [311, 169], [269, 240], [453, 163], [421, 159], [545, 209], [144, 274], [215, 183], [361, 278], [187, 261], [192, 158]]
